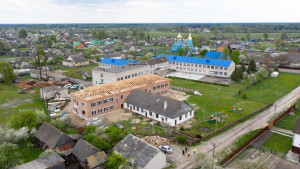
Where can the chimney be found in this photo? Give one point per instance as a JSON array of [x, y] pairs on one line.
[[165, 105]]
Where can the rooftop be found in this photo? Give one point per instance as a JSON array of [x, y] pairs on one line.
[[118, 62], [102, 90], [197, 60], [119, 69], [214, 55]]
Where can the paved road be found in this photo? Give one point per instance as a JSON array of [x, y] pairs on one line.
[[289, 70], [259, 121]]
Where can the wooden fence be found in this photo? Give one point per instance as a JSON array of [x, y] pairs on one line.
[[238, 150]]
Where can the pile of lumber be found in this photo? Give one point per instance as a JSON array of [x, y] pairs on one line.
[[46, 84], [157, 140], [27, 84]]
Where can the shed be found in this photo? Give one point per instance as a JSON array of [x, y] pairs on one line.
[[144, 154], [50, 92]]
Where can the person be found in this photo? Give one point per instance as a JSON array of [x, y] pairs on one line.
[[183, 152], [188, 153], [185, 149], [194, 150]]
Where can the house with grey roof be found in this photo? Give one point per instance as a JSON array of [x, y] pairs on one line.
[[50, 92], [53, 161], [50, 137], [145, 155], [75, 60], [87, 155], [157, 107]]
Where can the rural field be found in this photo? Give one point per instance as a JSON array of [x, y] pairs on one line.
[[75, 72], [220, 99]]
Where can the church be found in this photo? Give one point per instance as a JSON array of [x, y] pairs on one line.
[[180, 43]]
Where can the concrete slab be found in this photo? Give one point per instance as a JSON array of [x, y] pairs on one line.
[[184, 75]]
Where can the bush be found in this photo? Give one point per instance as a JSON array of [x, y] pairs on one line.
[[23, 119], [114, 134], [9, 157], [244, 96], [181, 128], [276, 69], [114, 161], [89, 129], [98, 142], [181, 139]]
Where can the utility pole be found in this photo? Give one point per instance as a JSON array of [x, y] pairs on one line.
[[152, 123], [39, 65], [213, 155], [46, 65]]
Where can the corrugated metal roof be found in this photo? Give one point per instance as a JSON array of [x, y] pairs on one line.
[[214, 55], [197, 60], [119, 62]]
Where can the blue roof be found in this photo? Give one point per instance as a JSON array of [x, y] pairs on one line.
[[213, 55], [197, 60], [118, 62]]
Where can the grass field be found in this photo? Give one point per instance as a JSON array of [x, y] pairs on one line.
[[27, 152], [11, 101], [217, 98], [75, 72], [280, 143], [289, 121]]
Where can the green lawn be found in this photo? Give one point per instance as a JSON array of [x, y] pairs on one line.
[[280, 143], [28, 153], [218, 98], [75, 72], [11, 101], [289, 121]]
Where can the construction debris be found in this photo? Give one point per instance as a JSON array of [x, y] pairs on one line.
[[32, 92], [30, 84], [157, 140], [27, 84]]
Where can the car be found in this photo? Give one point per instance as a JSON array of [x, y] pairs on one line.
[[75, 87], [166, 149], [67, 86], [119, 125]]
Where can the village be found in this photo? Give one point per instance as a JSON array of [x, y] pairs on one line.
[[94, 96]]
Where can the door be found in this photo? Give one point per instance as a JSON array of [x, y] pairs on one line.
[[175, 122], [146, 114]]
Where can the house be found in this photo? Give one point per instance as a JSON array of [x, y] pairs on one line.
[[220, 49], [110, 62], [296, 138], [75, 60], [203, 66], [113, 56], [157, 65], [50, 92], [213, 55], [53, 161], [103, 98], [157, 107], [87, 155], [50, 137], [96, 42], [237, 47], [78, 45], [205, 48], [87, 75], [294, 50], [206, 30], [145, 155]]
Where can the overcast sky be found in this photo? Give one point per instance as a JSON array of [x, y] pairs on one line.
[[148, 11]]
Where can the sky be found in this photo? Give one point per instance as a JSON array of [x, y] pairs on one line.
[[148, 11]]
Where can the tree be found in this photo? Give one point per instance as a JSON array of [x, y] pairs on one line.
[[283, 35], [180, 52], [114, 161], [23, 119], [203, 52], [278, 43], [251, 66], [235, 57], [216, 33], [9, 157], [7, 72], [89, 129], [181, 139], [266, 35], [114, 133], [202, 161], [225, 53], [22, 33], [252, 78], [98, 142], [95, 34], [52, 38], [248, 35], [2, 47], [237, 75]]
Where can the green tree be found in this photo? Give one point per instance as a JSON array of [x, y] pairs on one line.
[[180, 52], [89, 129], [98, 142], [7, 72], [235, 56], [226, 53], [248, 35], [266, 35], [95, 34], [114, 134], [283, 35], [216, 33], [203, 52], [9, 156], [237, 75], [52, 38], [23, 119], [114, 161], [2, 47], [22, 33], [251, 66], [278, 43], [181, 139]]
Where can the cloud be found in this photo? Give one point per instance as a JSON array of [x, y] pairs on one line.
[[148, 11]]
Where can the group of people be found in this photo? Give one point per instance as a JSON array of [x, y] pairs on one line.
[[187, 151]]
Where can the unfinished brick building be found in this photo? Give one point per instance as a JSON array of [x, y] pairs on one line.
[[96, 100]]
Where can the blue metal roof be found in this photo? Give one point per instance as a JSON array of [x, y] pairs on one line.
[[119, 62], [214, 55], [197, 60]]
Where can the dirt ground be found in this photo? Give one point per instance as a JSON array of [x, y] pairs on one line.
[[178, 95], [117, 115], [14, 103]]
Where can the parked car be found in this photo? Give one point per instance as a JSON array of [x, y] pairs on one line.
[[75, 87], [119, 125], [165, 149], [67, 86]]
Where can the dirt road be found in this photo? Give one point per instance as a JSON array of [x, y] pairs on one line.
[[226, 139]]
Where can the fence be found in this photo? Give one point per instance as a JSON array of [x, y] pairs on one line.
[[238, 150], [183, 89]]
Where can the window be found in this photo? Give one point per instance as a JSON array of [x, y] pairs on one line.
[[145, 90], [212, 67], [220, 73], [121, 78], [128, 76], [192, 69], [180, 64], [177, 63], [166, 91], [221, 68], [111, 107], [111, 99], [135, 74], [204, 66], [180, 68], [118, 79], [117, 100], [101, 80], [180, 118], [104, 101], [150, 113], [122, 96], [188, 64], [82, 104], [200, 65], [125, 77], [83, 112], [225, 68], [132, 75], [216, 67], [216, 72], [157, 116], [186, 115], [105, 109], [93, 112], [154, 87], [99, 110], [101, 75], [208, 67], [162, 85], [99, 102], [225, 73], [166, 84], [158, 87], [184, 64], [184, 68], [74, 100]]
